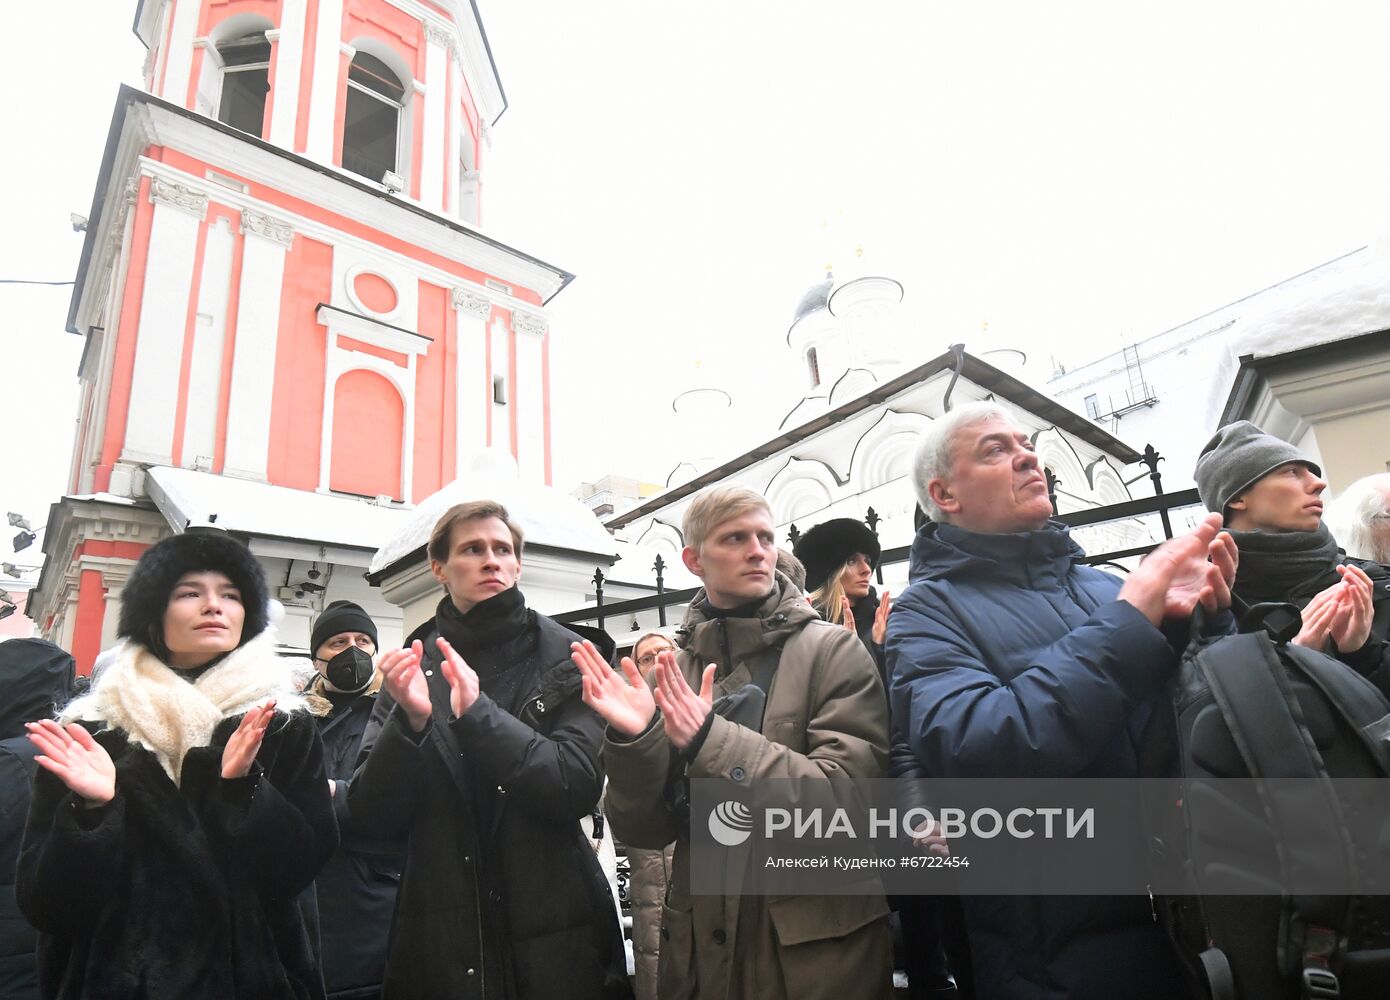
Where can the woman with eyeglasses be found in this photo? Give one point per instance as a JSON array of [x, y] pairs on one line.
[[648, 869]]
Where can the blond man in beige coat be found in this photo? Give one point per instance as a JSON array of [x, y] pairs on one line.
[[825, 718]]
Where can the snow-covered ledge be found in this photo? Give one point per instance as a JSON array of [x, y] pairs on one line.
[[564, 542]]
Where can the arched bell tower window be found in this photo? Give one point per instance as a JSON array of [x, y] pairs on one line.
[[372, 130], [812, 367], [245, 81]]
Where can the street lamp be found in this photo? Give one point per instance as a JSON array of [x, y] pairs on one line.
[[19, 521], [6, 611], [10, 569]]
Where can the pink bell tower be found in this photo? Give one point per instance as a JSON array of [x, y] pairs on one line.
[[285, 283]]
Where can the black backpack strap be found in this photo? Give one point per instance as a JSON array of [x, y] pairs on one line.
[[1221, 984], [764, 666], [1248, 683], [1355, 698]]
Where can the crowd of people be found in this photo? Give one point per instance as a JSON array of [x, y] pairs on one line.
[[208, 820]]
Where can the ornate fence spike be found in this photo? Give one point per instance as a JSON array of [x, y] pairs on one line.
[[660, 567]]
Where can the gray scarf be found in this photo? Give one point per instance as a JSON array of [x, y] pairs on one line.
[[1291, 566]]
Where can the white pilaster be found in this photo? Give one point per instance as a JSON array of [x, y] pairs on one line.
[[474, 394], [501, 366], [209, 78], [154, 389], [289, 57], [258, 321], [323, 99], [436, 74], [209, 336], [456, 125], [529, 395], [178, 60]]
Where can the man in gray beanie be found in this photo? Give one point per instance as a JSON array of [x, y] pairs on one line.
[[1271, 498]]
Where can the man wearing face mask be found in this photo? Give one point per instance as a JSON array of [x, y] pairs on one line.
[[357, 889]]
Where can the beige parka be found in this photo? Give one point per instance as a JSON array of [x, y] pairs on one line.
[[826, 717]]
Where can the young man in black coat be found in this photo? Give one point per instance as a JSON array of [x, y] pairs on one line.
[[483, 753], [1270, 498], [36, 678]]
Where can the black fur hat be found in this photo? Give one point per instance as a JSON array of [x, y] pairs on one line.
[[146, 593], [828, 546]]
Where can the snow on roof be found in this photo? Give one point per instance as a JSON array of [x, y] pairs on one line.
[[253, 508], [1347, 303], [546, 515], [103, 498]]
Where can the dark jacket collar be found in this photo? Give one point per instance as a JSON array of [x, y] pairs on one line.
[[783, 612], [1041, 558]]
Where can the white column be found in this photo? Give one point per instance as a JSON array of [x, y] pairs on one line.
[[178, 60], [323, 99], [456, 125], [258, 323], [501, 366], [209, 79], [332, 371], [289, 57], [154, 389], [407, 429], [528, 395], [209, 336], [473, 393], [432, 149]]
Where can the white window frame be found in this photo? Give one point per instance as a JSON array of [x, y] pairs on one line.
[[400, 118]]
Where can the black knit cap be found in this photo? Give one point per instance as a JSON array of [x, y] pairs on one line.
[[341, 616], [146, 593], [826, 548]]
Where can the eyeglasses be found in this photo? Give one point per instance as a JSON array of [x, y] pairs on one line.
[[649, 659]]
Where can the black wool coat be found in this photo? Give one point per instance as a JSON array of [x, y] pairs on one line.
[[35, 677], [184, 892], [357, 888], [503, 897]]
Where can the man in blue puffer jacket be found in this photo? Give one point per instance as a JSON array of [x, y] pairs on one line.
[[1009, 658]]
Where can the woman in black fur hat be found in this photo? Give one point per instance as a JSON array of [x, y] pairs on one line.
[[840, 557], [182, 804]]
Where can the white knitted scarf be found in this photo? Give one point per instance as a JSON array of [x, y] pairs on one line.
[[157, 708]]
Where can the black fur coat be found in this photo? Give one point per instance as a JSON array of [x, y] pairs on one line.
[[185, 891]]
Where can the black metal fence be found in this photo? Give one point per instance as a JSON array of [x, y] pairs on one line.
[[1160, 503]]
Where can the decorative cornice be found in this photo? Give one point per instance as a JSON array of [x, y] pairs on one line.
[[371, 331], [467, 301], [179, 196], [131, 193], [267, 227], [439, 35], [532, 324], [148, 69], [437, 235]]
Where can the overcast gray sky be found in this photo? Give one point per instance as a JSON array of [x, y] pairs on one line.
[[1069, 173]]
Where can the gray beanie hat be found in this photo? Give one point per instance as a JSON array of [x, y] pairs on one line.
[[1236, 457]]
